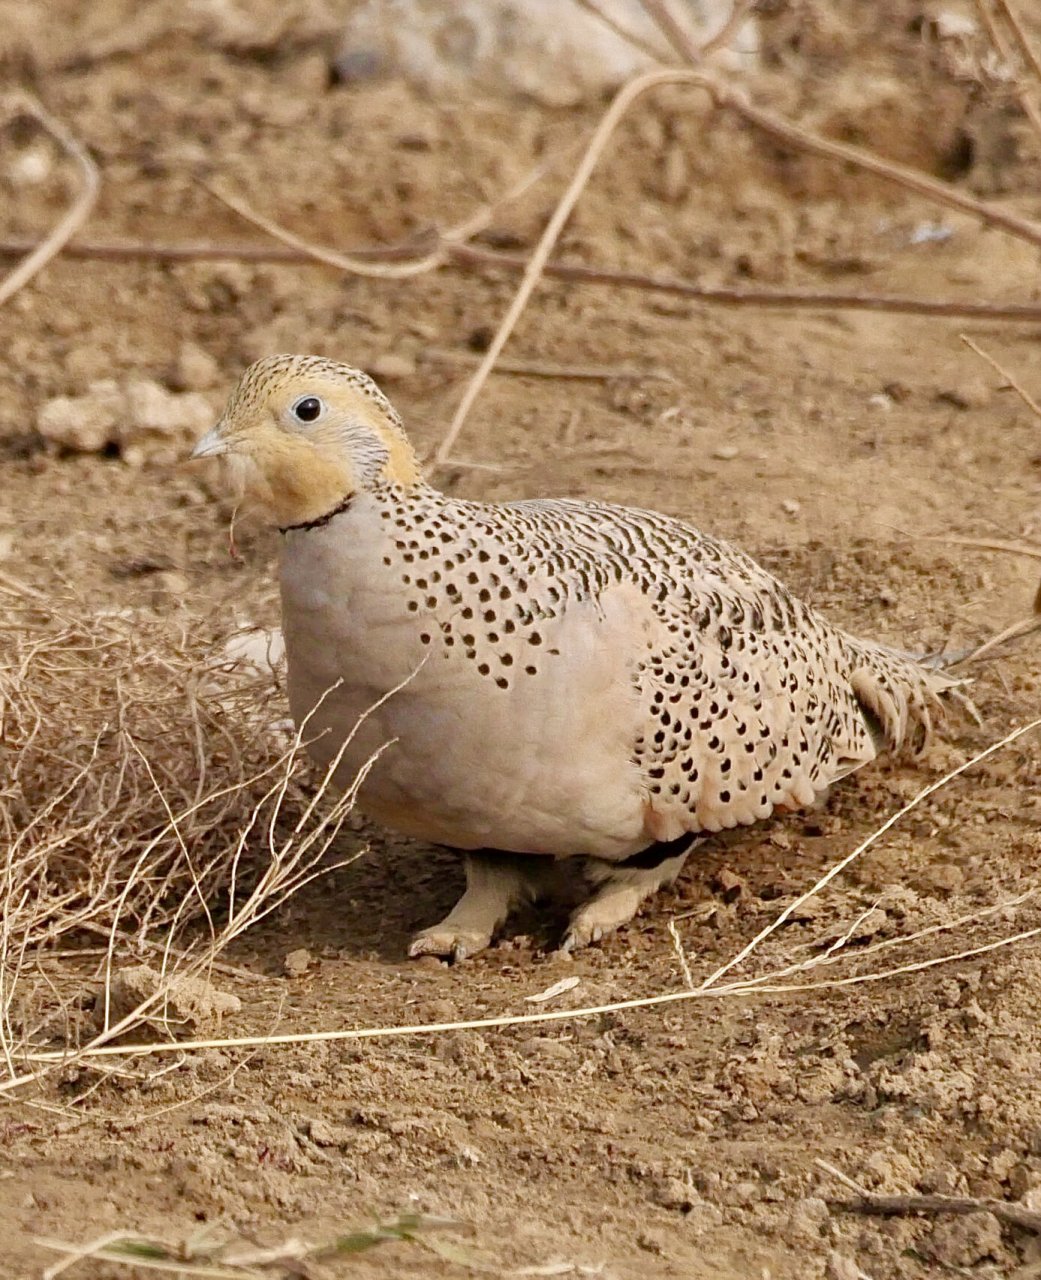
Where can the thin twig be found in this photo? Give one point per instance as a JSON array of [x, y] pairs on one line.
[[681, 955], [464, 257], [1029, 52], [1025, 627], [1020, 391], [905, 1206], [1033, 61], [775, 126], [366, 265], [943, 193], [862, 848], [804, 139], [330, 257], [674, 32], [987, 544], [844, 1178], [621, 103], [738, 12], [21, 104], [547, 369]]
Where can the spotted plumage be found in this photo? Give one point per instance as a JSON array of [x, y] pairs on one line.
[[572, 679]]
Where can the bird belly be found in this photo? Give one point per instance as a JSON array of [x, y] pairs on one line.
[[543, 766]]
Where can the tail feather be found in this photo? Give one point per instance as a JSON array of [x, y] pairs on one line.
[[901, 698]]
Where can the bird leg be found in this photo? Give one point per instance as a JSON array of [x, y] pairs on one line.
[[495, 884], [621, 888]]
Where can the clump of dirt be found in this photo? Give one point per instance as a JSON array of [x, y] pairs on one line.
[[178, 1002], [847, 450]]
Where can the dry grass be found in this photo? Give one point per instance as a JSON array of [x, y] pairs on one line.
[[150, 793], [240, 1259]]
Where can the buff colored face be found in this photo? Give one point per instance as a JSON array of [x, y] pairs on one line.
[[300, 434]]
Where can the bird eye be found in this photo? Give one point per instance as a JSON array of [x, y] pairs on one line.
[[307, 409]]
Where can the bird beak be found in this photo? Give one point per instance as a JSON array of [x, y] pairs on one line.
[[212, 445]]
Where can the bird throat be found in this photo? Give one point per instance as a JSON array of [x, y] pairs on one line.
[[319, 521]]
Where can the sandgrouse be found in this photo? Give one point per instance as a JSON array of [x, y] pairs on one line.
[[573, 679]]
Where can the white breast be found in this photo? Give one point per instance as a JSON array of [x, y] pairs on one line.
[[542, 765]]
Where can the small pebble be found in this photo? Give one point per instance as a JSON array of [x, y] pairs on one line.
[[725, 452], [297, 963], [392, 367], [791, 506]]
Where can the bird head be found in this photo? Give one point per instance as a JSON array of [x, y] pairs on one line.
[[301, 434]]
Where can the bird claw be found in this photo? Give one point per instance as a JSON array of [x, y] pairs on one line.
[[454, 944], [579, 935]]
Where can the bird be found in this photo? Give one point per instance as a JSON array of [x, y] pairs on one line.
[[549, 686]]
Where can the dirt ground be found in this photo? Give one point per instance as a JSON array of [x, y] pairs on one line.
[[841, 448]]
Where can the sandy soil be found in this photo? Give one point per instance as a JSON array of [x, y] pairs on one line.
[[840, 448]]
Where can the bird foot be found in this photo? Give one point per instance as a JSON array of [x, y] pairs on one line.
[[607, 911], [448, 940], [579, 935]]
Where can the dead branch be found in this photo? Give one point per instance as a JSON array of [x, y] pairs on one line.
[[427, 255], [547, 369], [988, 544], [681, 42], [463, 257], [730, 296], [906, 1206], [356, 266], [774, 126], [22, 104], [1017, 387]]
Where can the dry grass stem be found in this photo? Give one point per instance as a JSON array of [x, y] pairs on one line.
[[1016, 631], [621, 103], [738, 13], [722, 96], [246, 1260], [772, 983], [681, 955], [840, 866], [319, 253], [418, 264], [145, 781], [1014, 1215], [1020, 391], [22, 104], [989, 544]]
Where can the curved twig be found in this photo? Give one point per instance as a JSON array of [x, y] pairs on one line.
[[21, 104]]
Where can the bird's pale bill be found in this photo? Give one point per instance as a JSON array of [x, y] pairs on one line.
[[212, 445]]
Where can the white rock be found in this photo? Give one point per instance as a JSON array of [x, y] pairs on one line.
[[550, 50], [296, 963], [392, 367], [258, 649], [152, 410], [85, 424], [137, 416]]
